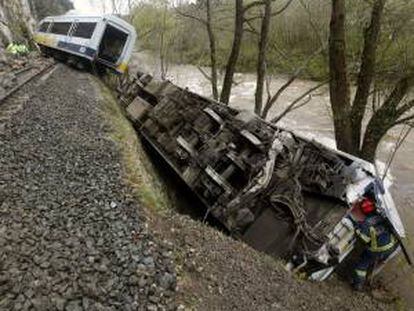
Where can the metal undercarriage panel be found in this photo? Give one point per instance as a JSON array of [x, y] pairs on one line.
[[280, 193]]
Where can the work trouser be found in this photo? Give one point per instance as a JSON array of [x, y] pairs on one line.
[[367, 260]]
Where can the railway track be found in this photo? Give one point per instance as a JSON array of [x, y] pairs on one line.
[[24, 76], [9, 103]]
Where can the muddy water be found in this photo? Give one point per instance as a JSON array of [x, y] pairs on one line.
[[314, 121]]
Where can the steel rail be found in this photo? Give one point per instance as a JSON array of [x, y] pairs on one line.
[[27, 80]]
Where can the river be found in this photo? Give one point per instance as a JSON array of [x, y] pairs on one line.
[[315, 121]]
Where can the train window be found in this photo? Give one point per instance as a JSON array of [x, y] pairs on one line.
[[60, 28], [112, 44], [43, 27], [84, 30]]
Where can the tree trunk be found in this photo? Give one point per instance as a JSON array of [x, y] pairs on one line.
[[261, 61], [213, 54], [377, 127], [339, 85], [16, 22], [163, 46], [234, 54], [366, 73], [371, 142], [348, 119]]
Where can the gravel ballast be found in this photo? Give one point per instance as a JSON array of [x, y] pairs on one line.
[[71, 235]]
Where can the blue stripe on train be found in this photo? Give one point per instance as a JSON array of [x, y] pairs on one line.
[[77, 48]]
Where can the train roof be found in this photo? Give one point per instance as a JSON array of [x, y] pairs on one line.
[[113, 18]]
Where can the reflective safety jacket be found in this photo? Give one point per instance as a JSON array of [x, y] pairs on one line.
[[17, 49], [375, 232]]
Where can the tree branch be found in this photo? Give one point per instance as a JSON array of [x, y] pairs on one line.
[[251, 28], [406, 107], [386, 117], [398, 93], [261, 56], [187, 15], [296, 104], [280, 11], [404, 120], [205, 74], [312, 23], [403, 136], [270, 102], [366, 73], [252, 5]]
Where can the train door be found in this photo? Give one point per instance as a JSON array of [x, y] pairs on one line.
[[112, 45]]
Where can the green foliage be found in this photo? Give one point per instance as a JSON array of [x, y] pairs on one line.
[[157, 29], [17, 49], [295, 35], [138, 172]]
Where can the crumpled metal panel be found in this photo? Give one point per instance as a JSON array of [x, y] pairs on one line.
[[263, 183]]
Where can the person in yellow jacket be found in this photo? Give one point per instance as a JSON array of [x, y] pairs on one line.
[[17, 49], [378, 238]]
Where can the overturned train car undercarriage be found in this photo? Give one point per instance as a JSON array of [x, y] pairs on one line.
[[280, 193]]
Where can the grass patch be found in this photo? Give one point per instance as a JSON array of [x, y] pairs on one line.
[[138, 171]]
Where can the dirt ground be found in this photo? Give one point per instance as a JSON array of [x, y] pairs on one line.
[[216, 272]]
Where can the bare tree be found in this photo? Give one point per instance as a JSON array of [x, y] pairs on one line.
[[339, 84], [272, 99], [268, 13], [162, 45], [207, 22], [239, 19], [117, 6], [131, 4], [242, 19], [367, 71], [299, 102], [213, 56], [395, 107], [261, 61]]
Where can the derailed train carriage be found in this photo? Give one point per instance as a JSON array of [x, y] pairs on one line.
[[279, 192], [104, 41]]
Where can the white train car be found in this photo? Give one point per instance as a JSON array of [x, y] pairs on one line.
[[105, 41]]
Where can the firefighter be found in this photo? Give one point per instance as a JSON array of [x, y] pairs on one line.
[[379, 241]]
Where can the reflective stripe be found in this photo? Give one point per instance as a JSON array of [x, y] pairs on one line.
[[122, 67], [384, 248], [364, 237], [373, 234], [374, 243], [361, 273]]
